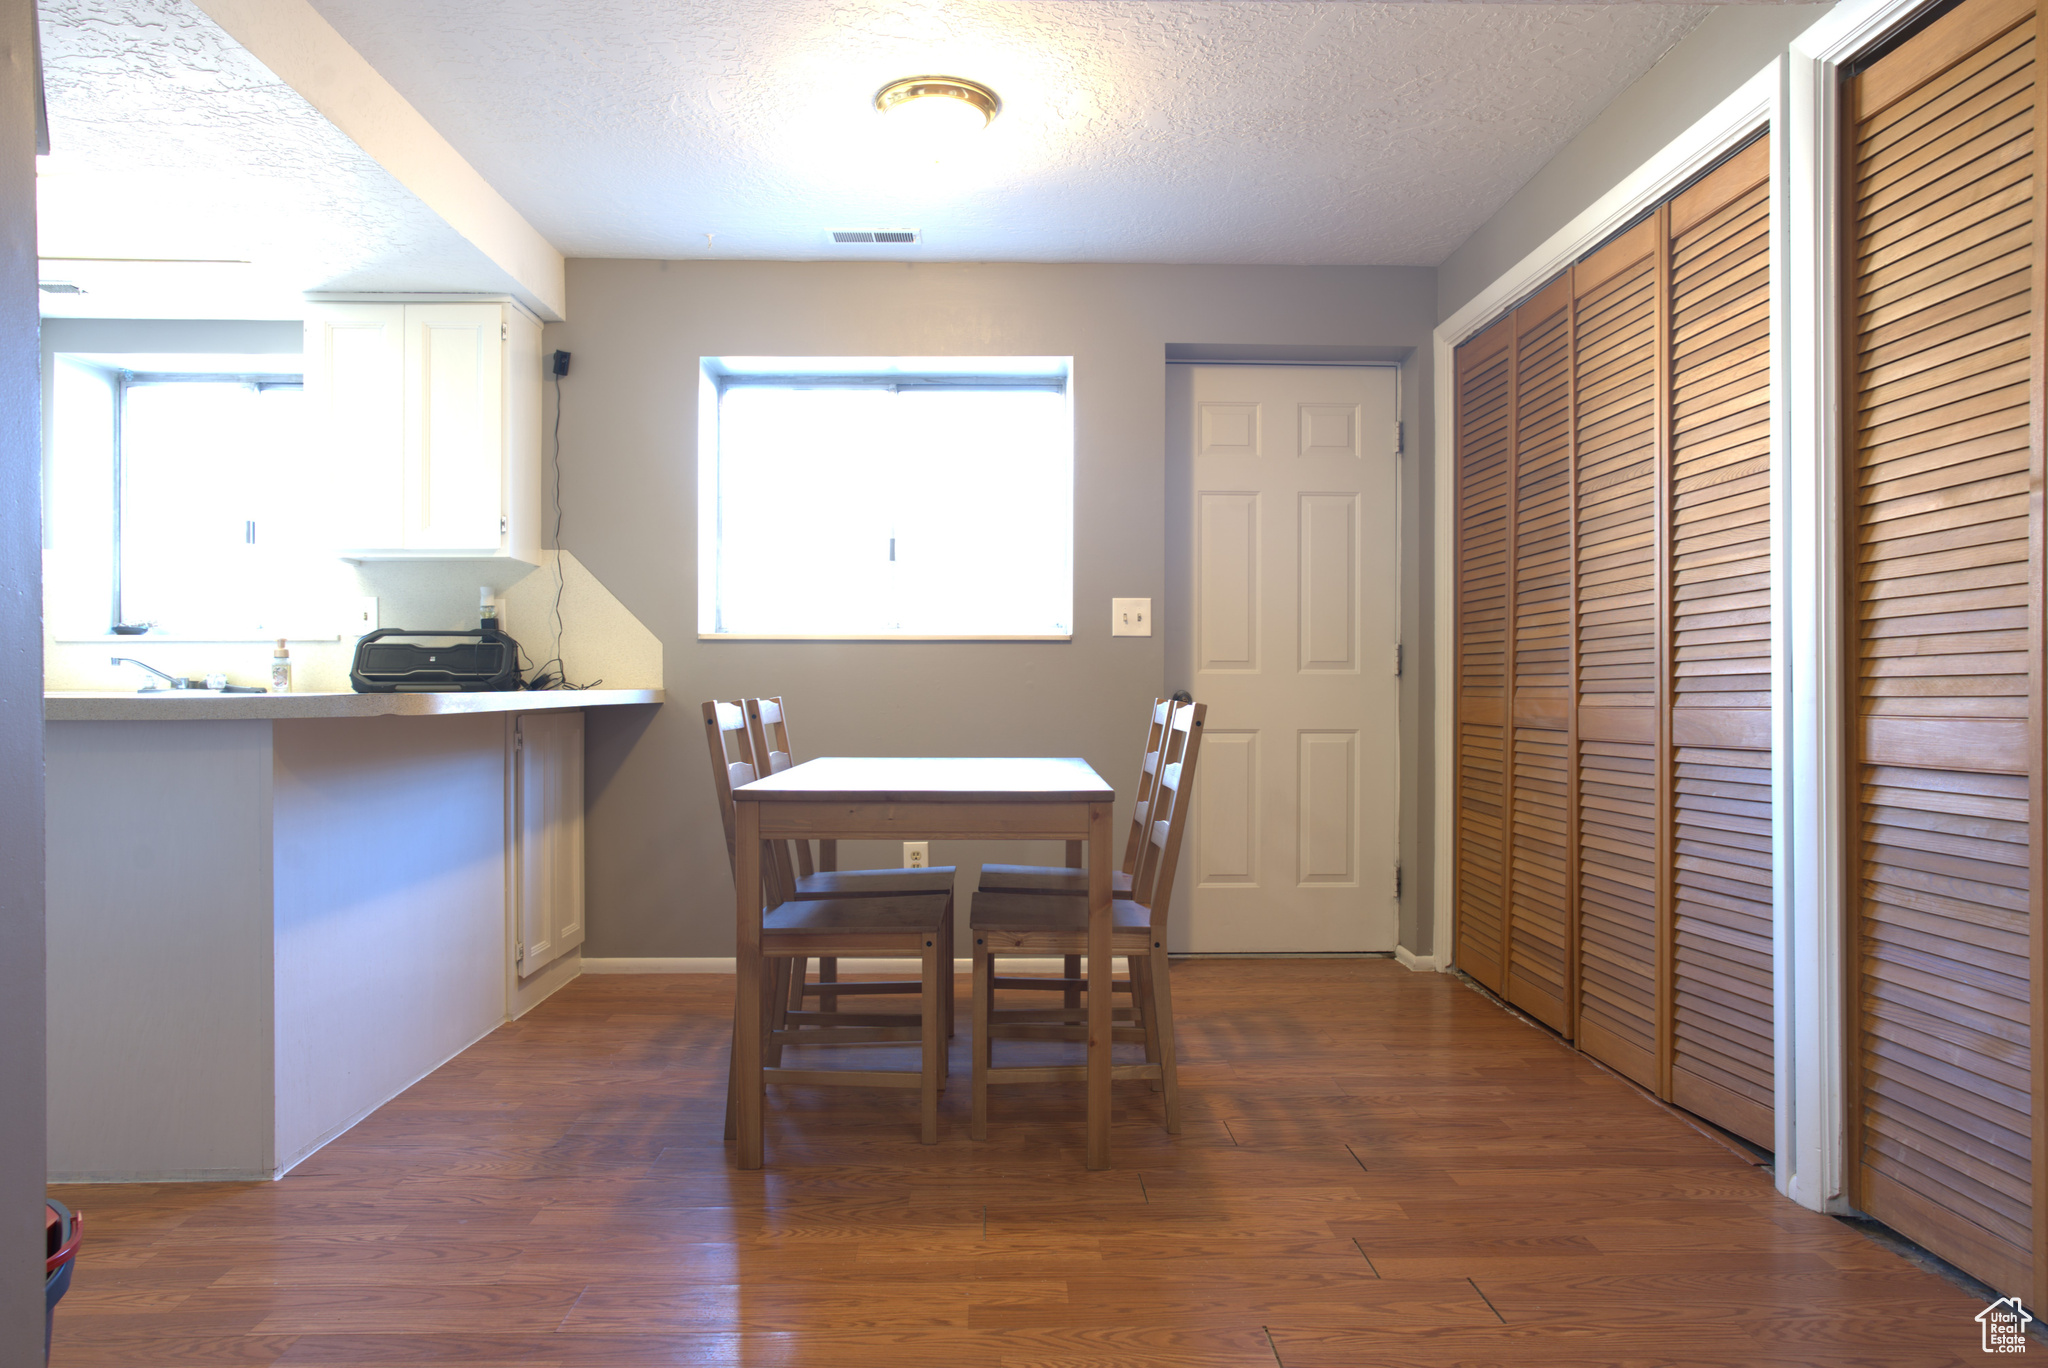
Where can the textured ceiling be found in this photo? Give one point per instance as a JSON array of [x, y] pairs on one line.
[[170, 141], [1149, 130]]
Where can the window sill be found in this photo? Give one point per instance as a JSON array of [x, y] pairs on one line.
[[113, 639]]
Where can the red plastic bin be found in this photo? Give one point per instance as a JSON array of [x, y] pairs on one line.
[[63, 1228]]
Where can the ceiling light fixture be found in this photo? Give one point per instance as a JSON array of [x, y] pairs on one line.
[[939, 106]]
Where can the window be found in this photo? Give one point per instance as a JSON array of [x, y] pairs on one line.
[[915, 497], [196, 490], [173, 495]]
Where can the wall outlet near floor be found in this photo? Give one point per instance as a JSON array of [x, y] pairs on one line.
[[917, 854], [1130, 617]]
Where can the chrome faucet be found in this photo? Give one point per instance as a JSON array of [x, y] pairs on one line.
[[213, 683], [169, 681]]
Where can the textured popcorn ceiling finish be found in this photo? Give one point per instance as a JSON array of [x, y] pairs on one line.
[[1151, 131], [169, 140]]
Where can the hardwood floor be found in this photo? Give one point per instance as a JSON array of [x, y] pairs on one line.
[[1379, 1168]]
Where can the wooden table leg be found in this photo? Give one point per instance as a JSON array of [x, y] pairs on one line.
[[747, 987], [1071, 966], [1100, 996]]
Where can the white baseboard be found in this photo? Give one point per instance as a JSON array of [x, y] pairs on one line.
[[1017, 964], [529, 992], [1421, 964]]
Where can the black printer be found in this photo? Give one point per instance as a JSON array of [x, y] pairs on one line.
[[394, 660]]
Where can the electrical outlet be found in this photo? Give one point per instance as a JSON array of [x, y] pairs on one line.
[[364, 620], [1130, 617], [917, 854]]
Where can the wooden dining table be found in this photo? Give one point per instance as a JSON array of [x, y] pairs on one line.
[[848, 798]]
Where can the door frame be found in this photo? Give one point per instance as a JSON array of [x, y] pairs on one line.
[[1180, 571]]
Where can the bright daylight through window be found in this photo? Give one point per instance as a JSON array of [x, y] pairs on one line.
[[195, 497], [170, 503], [909, 497]]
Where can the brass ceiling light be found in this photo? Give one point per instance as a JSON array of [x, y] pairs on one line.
[[945, 104]]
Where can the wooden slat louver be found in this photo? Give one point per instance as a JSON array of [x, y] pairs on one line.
[[1720, 622], [1616, 350], [1485, 414], [1614, 680], [1943, 342], [1539, 950]]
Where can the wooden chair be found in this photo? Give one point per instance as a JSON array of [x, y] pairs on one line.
[[768, 726], [1070, 878], [768, 730], [793, 930], [1008, 923]]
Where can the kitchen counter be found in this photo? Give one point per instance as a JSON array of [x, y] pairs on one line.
[[266, 922], [199, 706]]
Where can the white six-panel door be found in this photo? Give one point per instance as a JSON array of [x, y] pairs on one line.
[[1295, 621]]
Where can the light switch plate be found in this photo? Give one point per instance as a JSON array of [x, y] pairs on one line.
[[1130, 617]]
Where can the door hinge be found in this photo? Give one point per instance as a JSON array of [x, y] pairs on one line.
[[1397, 660], [504, 523], [519, 952], [1399, 438], [1397, 881], [504, 332]]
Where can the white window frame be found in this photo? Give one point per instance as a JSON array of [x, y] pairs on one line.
[[74, 624], [126, 380], [718, 373]]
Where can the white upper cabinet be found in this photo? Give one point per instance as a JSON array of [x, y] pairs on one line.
[[355, 413], [426, 419]]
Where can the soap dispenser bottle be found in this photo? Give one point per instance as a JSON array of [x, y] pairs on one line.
[[280, 669]]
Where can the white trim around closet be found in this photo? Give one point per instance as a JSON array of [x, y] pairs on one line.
[[1812, 715]]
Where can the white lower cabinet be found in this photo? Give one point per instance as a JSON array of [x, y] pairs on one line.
[[547, 838]]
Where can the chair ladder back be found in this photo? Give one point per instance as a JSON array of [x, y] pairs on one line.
[[778, 864], [1148, 780], [769, 723], [732, 766], [1152, 888]]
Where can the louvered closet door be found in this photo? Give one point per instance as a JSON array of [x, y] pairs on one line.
[[1944, 576], [1538, 934], [1618, 350], [1484, 447], [1720, 621]]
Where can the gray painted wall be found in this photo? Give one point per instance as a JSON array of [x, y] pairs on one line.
[[1732, 45], [659, 884], [21, 710]]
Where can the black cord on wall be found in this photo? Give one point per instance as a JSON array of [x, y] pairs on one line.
[[551, 674]]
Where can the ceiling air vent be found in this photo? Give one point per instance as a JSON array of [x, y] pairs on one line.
[[847, 236]]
